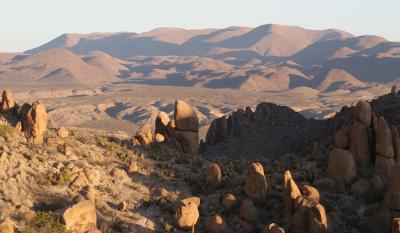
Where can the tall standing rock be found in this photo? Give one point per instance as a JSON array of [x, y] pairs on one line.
[[290, 193], [359, 144], [363, 112], [256, 183], [185, 117], [186, 127], [7, 101], [34, 121], [384, 160], [162, 121], [384, 139]]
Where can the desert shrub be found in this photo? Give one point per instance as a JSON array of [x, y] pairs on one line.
[[48, 222], [62, 178], [6, 131]]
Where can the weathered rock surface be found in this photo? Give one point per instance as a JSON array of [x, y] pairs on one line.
[[162, 121], [34, 121], [341, 164], [185, 117], [81, 217], [363, 112], [144, 135], [187, 214], [214, 224], [256, 183]]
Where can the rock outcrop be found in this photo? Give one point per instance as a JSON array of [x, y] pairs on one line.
[[7, 102], [161, 123], [34, 121], [256, 183], [302, 213]]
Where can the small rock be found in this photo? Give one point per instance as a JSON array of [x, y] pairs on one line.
[[214, 175], [229, 201], [214, 224], [133, 168], [81, 217], [62, 132], [360, 188]]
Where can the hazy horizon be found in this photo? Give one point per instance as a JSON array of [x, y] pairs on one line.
[[29, 24]]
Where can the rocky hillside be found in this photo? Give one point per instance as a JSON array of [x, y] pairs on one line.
[[342, 178]]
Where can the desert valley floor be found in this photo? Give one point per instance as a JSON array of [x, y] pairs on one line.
[[125, 107]]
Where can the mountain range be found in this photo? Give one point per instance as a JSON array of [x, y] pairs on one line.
[[266, 58]]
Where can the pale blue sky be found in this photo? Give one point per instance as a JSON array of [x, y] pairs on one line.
[[25, 24]]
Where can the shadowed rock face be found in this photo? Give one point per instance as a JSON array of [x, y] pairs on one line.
[[272, 130]]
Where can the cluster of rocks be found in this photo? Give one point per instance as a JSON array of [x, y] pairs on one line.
[[30, 118], [182, 131], [302, 211], [369, 143]]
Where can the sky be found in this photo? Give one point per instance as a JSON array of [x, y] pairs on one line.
[[25, 24]]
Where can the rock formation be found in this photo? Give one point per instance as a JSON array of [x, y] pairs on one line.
[[162, 121], [302, 213], [144, 135], [34, 121], [186, 127], [256, 183], [7, 102]]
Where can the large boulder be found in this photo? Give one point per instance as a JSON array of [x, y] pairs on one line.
[[290, 192], [363, 112], [7, 101], [185, 117], [360, 144], [162, 121], [341, 164], [81, 217], [214, 175], [34, 121], [187, 213], [256, 183]]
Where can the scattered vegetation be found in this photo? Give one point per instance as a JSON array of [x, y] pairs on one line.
[[7, 132], [62, 178], [48, 222]]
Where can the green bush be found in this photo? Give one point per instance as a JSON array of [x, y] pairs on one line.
[[47, 222]]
